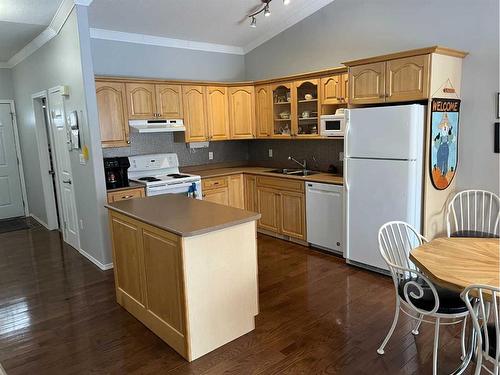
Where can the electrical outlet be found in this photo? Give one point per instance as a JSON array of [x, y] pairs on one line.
[[341, 156], [270, 152], [81, 224], [210, 155]]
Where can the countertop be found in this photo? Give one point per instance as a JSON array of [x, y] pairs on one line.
[[181, 215], [219, 172], [132, 185]]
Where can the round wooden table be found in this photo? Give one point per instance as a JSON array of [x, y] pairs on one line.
[[456, 263]]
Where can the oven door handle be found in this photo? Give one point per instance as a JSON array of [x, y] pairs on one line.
[[167, 186]]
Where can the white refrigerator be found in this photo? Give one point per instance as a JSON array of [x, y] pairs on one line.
[[384, 148]]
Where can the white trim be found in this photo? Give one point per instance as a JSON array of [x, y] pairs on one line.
[[43, 223], [41, 130], [4, 65], [50, 32], [102, 266], [17, 145], [309, 7], [152, 40]]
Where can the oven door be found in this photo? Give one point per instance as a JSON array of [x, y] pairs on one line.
[[181, 188]]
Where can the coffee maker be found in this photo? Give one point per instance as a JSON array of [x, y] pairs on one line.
[[115, 170]]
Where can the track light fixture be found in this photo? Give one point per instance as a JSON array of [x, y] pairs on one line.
[[264, 9]]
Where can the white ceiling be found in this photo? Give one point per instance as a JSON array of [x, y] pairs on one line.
[[222, 22], [21, 21]]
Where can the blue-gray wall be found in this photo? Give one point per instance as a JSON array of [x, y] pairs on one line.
[[350, 29], [140, 60], [6, 88]]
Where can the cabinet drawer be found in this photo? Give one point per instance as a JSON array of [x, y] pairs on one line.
[[281, 183], [125, 194], [214, 183]]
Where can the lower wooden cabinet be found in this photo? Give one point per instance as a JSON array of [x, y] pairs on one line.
[[236, 191], [220, 196], [228, 191], [250, 192], [268, 205], [292, 220], [121, 195]]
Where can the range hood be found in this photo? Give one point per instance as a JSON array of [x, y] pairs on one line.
[[157, 126]]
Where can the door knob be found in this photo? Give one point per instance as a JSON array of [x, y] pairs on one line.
[[67, 182]]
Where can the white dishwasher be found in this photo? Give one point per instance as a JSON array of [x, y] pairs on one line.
[[324, 216]]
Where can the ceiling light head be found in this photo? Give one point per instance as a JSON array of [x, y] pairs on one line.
[[253, 23], [286, 2], [267, 11]]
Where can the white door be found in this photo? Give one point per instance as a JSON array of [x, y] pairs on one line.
[[378, 191], [64, 177], [394, 132], [11, 197]]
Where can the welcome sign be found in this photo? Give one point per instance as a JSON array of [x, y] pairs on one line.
[[444, 141]]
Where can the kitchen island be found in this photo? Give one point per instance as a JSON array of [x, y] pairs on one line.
[[187, 269]]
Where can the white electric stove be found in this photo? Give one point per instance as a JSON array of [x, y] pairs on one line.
[[160, 174]]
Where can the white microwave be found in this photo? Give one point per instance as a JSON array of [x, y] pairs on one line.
[[332, 125]]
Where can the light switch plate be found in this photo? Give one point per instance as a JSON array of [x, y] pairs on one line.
[[210, 155], [82, 159], [270, 152]]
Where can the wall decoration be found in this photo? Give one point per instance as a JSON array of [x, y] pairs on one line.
[[444, 141], [496, 142]]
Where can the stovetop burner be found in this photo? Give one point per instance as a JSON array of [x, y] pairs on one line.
[[149, 179], [177, 175]]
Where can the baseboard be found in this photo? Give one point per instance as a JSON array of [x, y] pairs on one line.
[[43, 223], [102, 266]]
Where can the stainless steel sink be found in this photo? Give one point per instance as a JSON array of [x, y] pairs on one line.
[[294, 172]]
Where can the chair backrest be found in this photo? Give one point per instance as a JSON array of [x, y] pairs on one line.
[[473, 211], [396, 239], [485, 315]]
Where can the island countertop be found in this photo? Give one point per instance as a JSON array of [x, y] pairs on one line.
[[181, 215]]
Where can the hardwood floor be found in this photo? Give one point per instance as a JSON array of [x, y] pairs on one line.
[[58, 315]]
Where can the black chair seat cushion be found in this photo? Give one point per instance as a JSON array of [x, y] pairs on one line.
[[492, 340], [473, 233], [449, 300]]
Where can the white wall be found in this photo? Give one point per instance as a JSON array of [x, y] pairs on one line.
[[139, 60], [59, 62], [6, 88], [350, 29]]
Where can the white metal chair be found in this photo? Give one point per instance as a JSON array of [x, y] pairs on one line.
[[473, 213], [416, 295], [485, 319]]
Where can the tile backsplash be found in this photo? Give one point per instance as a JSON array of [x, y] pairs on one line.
[[256, 152], [155, 143]]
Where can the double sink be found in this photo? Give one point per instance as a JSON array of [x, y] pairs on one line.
[[294, 172]]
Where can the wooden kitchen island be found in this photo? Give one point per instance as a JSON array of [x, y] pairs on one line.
[[187, 269]]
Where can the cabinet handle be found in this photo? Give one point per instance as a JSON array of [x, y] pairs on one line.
[[203, 195], [127, 196]]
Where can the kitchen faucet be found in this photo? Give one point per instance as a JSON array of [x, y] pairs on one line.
[[303, 165]]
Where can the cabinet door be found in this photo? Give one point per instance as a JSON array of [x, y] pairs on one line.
[[250, 193], [331, 89], [112, 106], [345, 88], [283, 110], [169, 101], [163, 267], [220, 196], [407, 78], [305, 98], [127, 261], [236, 191], [218, 115], [268, 205], [140, 101], [124, 195], [195, 114], [263, 111], [367, 83], [242, 112], [293, 215]]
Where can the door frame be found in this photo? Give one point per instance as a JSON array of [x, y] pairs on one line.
[[42, 127], [18, 154]]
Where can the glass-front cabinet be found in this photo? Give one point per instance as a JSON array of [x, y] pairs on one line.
[[307, 113], [282, 109]]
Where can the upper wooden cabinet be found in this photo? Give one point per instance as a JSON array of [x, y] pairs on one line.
[[195, 113], [242, 112], [217, 113], [407, 78], [305, 101], [283, 110], [112, 107], [263, 111], [169, 101], [333, 89], [141, 101], [367, 83]]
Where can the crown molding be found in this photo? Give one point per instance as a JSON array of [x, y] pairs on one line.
[[51, 31], [4, 65], [120, 36], [310, 7]]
